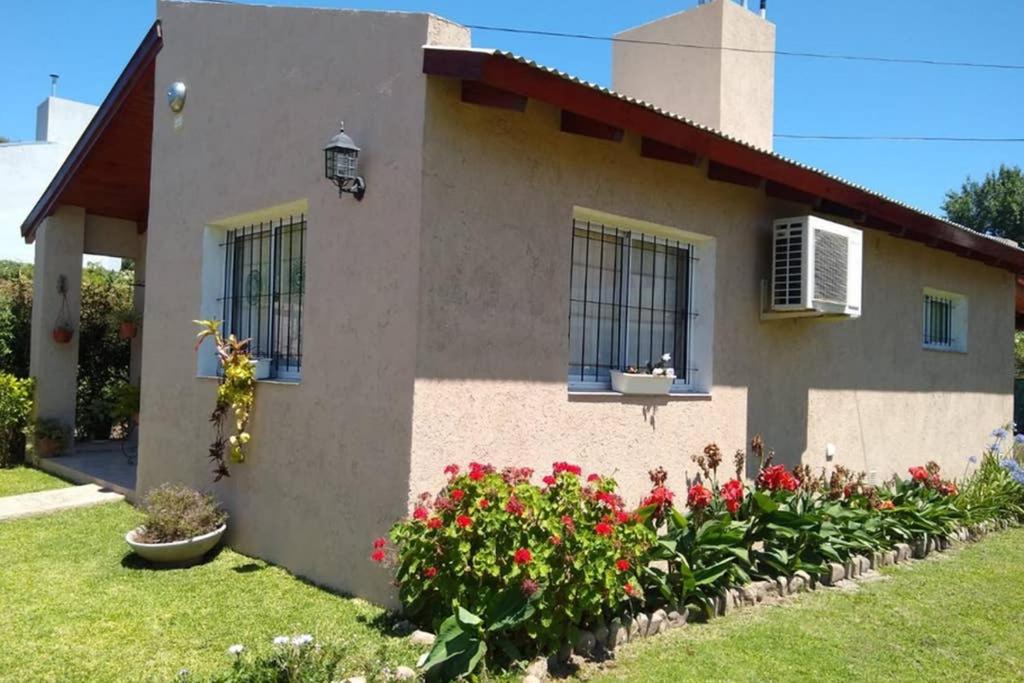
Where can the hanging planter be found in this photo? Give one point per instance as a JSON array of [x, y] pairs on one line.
[[62, 329]]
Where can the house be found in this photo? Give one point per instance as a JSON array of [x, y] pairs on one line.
[[27, 166], [452, 312]]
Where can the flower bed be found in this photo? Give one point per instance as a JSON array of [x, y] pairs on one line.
[[503, 569]]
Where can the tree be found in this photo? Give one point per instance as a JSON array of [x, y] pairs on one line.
[[995, 206]]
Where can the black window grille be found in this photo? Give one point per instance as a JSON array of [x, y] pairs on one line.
[[939, 329], [629, 303], [264, 284]]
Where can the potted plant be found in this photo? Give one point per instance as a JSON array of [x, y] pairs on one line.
[[51, 437], [125, 403], [128, 321], [654, 380], [62, 333], [181, 526]]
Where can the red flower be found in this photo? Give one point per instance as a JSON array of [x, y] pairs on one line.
[[629, 589], [555, 539], [622, 565], [476, 475], [549, 480], [660, 497], [560, 467], [594, 477], [451, 471], [457, 495], [377, 556], [477, 470], [464, 521], [603, 529], [419, 513], [379, 543], [514, 507], [523, 556], [698, 498], [434, 523], [484, 504], [918, 473], [430, 572], [622, 516], [776, 478], [732, 494], [569, 525], [948, 488]]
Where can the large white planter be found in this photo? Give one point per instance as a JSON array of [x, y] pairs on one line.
[[176, 552], [641, 385]]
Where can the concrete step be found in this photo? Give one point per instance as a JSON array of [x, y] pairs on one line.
[[44, 502]]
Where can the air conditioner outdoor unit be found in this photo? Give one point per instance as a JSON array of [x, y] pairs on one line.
[[816, 268]]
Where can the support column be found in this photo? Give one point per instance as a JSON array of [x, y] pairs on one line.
[[60, 242], [139, 304]]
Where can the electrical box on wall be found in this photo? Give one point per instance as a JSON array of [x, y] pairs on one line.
[[816, 269]]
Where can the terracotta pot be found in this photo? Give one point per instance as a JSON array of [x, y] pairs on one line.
[[62, 335], [47, 448], [128, 329]]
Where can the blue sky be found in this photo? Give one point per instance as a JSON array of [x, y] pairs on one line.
[[88, 43]]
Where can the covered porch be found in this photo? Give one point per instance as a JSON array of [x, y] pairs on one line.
[[96, 204]]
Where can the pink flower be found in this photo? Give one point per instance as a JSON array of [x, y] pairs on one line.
[[451, 470], [568, 523], [514, 507], [419, 513], [560, 467], [594, 477], [379, 543], [529, 587], [555, 539], [549, 480]]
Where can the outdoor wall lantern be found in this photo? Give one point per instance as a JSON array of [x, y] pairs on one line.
[[176, 96], [341, 157]]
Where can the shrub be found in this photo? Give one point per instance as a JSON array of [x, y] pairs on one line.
[[517, 565], [177, 513], [15, 409]]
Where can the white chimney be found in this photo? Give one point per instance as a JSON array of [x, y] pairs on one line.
[[729, 90]]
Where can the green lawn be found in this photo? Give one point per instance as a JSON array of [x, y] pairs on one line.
[[27, 480], [76, 606], [954, 618]]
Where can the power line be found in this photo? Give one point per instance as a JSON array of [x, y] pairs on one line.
[[894, 138], [780, 53]]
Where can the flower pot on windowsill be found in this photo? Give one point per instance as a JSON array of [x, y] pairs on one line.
[[62, 335], [641, 384], [128, 329], [178, 553], [262, 366]]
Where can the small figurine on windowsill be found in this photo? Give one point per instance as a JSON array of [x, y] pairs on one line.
[[659, 369]]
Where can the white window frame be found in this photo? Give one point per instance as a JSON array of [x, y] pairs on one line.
[[957, 322], [213, 279], [697, 377]]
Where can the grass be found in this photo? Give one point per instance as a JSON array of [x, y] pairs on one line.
[[956, 617], [17, 480], [75, 605]]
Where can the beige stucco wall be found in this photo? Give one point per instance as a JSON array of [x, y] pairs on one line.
[[499, 188], [328, 465], [728, 90]]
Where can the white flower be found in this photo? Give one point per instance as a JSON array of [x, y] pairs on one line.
[[670, 372], [304, 639], [281, 640], [236, 650], [658, 371], [666, 357]]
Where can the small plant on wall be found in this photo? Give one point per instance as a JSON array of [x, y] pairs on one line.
[[235, 395]]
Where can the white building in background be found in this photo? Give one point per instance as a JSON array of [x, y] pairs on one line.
[[26, 168]]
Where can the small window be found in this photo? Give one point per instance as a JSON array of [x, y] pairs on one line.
[[944, 321], [264, 284], [629, 303]]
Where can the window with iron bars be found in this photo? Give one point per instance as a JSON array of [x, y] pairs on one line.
[[944, 321], [629, 303], [264, 285]]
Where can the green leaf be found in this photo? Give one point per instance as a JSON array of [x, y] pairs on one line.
[[509, 609], [764, 502]]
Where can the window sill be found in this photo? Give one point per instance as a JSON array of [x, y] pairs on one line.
[[943, 349], [272, 380], [609, 395]]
